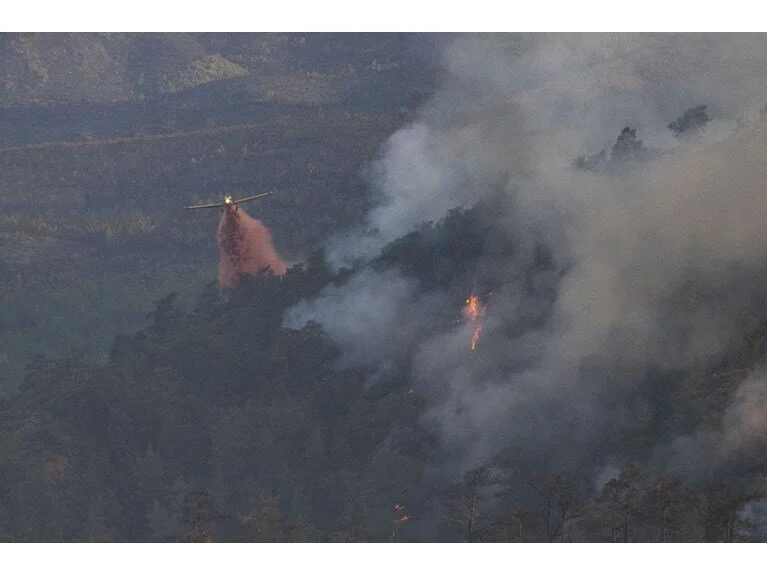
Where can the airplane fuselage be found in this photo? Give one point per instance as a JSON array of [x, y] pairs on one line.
[[229, 206]]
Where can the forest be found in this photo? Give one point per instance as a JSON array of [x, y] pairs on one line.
[[218, 423], [487, 329]]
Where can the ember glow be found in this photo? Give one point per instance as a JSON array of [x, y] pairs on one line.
[[475, 337], [474, 310], [401, 514]]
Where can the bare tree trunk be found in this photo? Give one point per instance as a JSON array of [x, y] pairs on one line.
[[548, 521], [707, 535], [626, 518], [729, 526], [562, 523], [472, 509]]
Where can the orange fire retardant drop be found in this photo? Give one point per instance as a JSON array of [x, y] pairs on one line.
[[246, 247]]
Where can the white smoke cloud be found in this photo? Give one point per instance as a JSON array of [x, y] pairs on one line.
[[745, 421], [741, 432], [363, 316], [371, 317], [604, 476], [659, 266]]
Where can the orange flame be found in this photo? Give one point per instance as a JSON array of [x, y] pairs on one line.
[[475, 337], [474, 310], [402, 516]]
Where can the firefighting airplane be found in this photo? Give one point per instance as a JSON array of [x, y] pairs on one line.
[[229, 204]]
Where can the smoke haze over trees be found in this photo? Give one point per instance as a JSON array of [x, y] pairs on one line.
[[653, 269], [610, 387]]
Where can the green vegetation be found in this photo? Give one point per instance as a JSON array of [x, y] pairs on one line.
[[208, 69], [218, 403], [140, 403], [215, 423], [106, 136], [103, 213]]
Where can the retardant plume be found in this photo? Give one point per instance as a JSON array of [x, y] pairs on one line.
[[246, 247]]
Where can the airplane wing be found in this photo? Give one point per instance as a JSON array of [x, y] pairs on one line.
[[241, 200], [204, 206]]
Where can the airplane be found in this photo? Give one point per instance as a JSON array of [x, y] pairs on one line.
[[229, 204]]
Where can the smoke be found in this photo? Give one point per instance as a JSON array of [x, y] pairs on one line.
[[754, 516], [745, 422], [246, 247], [655, 268], [741, 433], [367, 316], [374, 318]]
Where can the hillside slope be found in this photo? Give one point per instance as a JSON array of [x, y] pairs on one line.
[[105, 137]]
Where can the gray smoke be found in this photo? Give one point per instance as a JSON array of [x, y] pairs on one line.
[[364, 316], [658, 266], [753, 516], [742, 431], [373, 318]]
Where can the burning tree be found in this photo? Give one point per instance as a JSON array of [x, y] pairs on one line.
[[474, 310], [401, 516]]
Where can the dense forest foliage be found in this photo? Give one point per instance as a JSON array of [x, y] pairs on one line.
[[217, 423], [405, 396]]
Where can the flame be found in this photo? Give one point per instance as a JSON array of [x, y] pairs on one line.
[[475, 337], [402, 514], [474, 310]]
